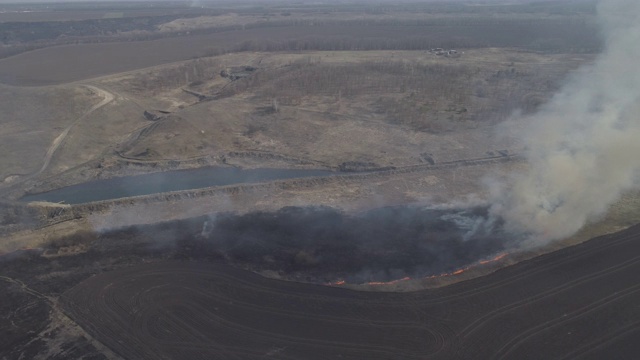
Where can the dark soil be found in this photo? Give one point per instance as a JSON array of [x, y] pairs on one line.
[[580, 302], [163, 292]]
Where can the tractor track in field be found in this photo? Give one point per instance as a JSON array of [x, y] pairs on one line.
[[575, 302]]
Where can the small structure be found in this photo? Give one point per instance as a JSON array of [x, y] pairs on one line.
[[238, 72], [443, 52], [155, 115]]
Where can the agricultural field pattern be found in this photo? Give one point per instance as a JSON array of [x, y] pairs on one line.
[[562, 305], [319, 180]]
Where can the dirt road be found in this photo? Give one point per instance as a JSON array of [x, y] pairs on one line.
[[108, 97]]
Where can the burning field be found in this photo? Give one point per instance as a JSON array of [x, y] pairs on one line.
[[168, 290], [565, 304], [165, 277], [321, 244]]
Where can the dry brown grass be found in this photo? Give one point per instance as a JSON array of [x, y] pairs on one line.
[[384, 107], [31, 118]]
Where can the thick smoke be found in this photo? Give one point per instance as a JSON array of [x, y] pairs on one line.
[[583, 147], [378, 245]]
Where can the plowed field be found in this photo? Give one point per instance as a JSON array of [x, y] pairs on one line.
[[579, 302]]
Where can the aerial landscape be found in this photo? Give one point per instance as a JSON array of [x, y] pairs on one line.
[[339, 179]]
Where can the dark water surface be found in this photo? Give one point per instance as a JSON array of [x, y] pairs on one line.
[[167, 181]]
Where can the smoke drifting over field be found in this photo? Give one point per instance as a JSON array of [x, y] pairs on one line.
[[583, 145], [379, 245]]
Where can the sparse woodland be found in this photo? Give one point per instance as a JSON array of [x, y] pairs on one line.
[[426, 97]]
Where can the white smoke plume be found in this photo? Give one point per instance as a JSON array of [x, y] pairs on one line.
[[583, 147]]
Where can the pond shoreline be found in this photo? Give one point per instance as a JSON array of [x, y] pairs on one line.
[[168, 181]]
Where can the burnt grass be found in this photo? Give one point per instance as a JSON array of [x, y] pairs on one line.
[[26, 328], [576, 303], [25, 314], [587, 290], [320, 244], [313, 244], [378, 245]]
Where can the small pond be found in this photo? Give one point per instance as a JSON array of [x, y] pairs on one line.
[[167, 181]]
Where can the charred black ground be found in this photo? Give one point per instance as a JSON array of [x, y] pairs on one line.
[[578, 302], [378, 245]]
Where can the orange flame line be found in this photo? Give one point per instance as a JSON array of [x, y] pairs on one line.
[[388, 282], [453, 273]]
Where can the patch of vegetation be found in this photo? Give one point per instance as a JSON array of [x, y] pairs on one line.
[[79, 238]]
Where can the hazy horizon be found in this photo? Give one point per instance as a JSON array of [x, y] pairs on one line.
[[14, 2]]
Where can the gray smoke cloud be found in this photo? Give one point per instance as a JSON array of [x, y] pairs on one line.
[[583, 147]]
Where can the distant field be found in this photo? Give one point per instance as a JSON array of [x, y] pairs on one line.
[[37, 16], [61, 64], [69, 63], [88, 11]]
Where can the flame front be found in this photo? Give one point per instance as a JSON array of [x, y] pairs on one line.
[[453, 273], [388, 282]]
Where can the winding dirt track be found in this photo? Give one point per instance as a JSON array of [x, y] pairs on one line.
[[107, 98], [577, 303]]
